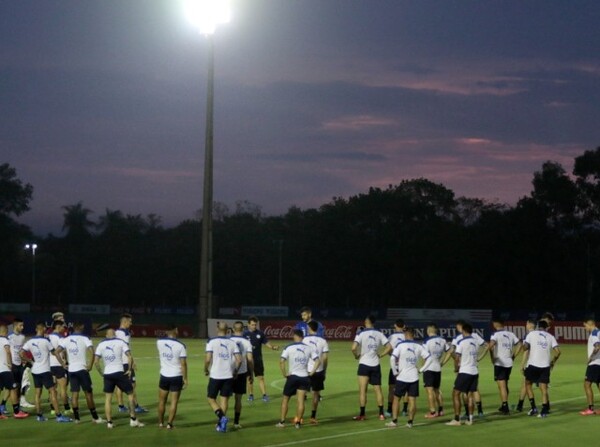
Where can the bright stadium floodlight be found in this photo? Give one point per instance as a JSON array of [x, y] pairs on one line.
[[207, 14]]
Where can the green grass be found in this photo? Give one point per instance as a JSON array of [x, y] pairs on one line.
[[195, 421]]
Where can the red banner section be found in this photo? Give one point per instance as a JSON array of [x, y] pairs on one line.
[[565, 332], [334, 330], [159, 330]]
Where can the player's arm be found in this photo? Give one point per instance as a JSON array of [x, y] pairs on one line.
[[517, 348], [525, 355], [99, 363], [448, 355], [317, 361], [272, 347], [387, 350], [491, 349], [325, 361], [91, 357], [250, 363], [557, 353], [184, 371], [24, 358], [486, 348], [354, 350], [282, 367], [394, 364], [590, 358], [60, 359], [238, 361], [130, 361], [457, 358], [207, 363], [8, 355]]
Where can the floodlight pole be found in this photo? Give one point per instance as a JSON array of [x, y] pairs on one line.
[[205, 303]]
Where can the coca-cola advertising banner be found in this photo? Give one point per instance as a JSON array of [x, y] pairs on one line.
[[565, 332], [282, 329]]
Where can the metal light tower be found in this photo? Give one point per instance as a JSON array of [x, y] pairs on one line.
[[33, 248], [206, 15]]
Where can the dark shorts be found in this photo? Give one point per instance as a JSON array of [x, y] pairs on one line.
[[7, 381], [534, 374], [466, 383], [502, 372], [132, 376], [117, 380], [80, 380], [294, 384], [317, 381], [58, 371], [239, 383], [592, 374], [171, 384], [259, 366], [18, 371], [43, 380], [223, 387], [372, 372], [432, 379], [409, 389]]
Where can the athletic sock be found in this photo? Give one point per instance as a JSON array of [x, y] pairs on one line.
[[457, 417], [133, 418], [236, 417], [410, 421], [313, 414], [67, 407], [389, 407], [380, 409], [532, 403], [545, 408], [466, 408], [76, 412], [395, 421], [479, 407], [362, 411], [3, 402], [591, 407], [405, 407], [219, 413], [440, 409], [94, 413], [16, 408]]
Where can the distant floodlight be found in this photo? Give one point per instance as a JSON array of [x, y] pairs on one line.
[[207, 14]]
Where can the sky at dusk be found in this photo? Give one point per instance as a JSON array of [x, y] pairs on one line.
[[103, 101]]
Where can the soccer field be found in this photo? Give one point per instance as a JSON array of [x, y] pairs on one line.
[[195, 422]]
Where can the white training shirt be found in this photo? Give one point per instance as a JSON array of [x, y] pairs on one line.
[[111, 351], [370, 340], [320, 346], [170, 353], [404, 360], [436, 346], [480, 341], [124, 335], [76, 346], [41, 349], [468, 349], [55, 340], [395, 338], [5, 363], [593, 340], [504, 342], [245, 347], [223, 352], [541, 344], [298, 356], [16, 344]]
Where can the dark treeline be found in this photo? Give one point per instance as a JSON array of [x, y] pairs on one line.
[[411, 244]]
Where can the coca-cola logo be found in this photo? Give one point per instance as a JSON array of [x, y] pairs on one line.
[[279, 332], [341, 332], [286, 331]]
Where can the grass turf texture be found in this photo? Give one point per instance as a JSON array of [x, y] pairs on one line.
[[195, 422]]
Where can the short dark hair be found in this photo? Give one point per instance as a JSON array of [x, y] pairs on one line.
[[410, 331], [40, 323], [498, 320], [542, 324], [57, 323], [127, 315], [433, 325], [252, 319], [78, 325], [305, 309], [399, 322], [298, 333], [371, 318], [547, 316], [171, 326], [18, 320], [461, 322], [467, 328], [313, 325]]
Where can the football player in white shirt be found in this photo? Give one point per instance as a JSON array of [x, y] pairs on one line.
[[59, 373], [296, 356], [404, 364], [396, 337], [7, 380], [109, 362], [541, 353], [480, 342], [41, 349], [592, 372], [502, 352], [317, 380], [367, 350], [467, 358], [79, 351], [16, 338], [124, 333], [529, 326], [432, 375], [221, 364], [245, 374], [173, 374]]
